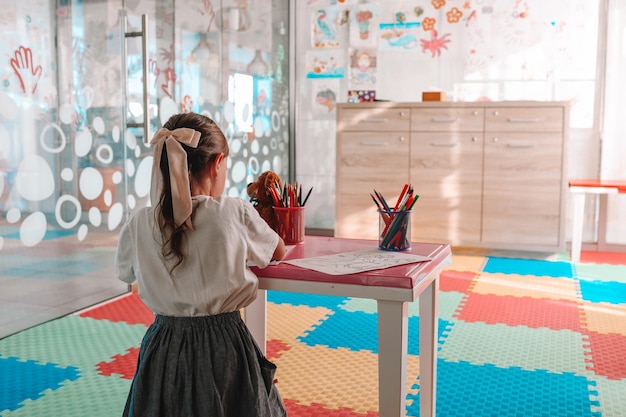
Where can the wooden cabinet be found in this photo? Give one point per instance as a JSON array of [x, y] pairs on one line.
[[488, 174], [372, 154], [446, 170], [523, 176]]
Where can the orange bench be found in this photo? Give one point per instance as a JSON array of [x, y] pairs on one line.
[[579, 188]]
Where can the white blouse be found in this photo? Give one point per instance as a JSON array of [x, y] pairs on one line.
[[214, 278]]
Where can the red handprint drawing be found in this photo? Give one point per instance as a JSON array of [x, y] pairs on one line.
[[208, 8], [170, 78], [154, 70], [26, 72]]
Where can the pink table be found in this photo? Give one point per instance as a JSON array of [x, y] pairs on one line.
[[392, 288]]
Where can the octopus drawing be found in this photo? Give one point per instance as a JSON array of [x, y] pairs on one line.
[[435, 43]]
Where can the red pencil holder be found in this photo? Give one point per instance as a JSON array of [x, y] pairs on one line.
[[290, 224], [394, 230]]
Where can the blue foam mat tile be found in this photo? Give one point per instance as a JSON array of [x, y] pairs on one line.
[[331, 302], [535, 267], [470, 390], [602, 291], [334, 332], [22, 380]]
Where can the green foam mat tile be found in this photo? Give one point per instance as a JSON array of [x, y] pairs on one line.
[[73, 341], [593, 272], [612, 396], [505, 346]]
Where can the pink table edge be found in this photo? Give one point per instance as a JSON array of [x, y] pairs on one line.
[[402, 276]]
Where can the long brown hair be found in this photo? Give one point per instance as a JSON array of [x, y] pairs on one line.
[[212, 142]]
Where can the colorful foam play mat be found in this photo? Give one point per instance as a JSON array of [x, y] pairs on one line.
[[518, 336]]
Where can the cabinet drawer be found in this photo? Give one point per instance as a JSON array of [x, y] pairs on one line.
[[373, 158], [367, 161], [524, 119], [374, 120], [446, 170], [447, 119]]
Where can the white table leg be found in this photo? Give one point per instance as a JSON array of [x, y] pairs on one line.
[[256, 319], [578, 200], [392, 357], [429, 316]]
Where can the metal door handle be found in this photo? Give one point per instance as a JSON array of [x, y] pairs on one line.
[[144, 69]]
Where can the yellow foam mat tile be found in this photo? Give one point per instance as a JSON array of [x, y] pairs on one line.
[[334, 378], [467, 263], [604, 318], [525, 286], [301, 318]]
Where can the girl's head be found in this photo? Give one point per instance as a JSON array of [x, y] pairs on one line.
[[212, 142], [205, 162]]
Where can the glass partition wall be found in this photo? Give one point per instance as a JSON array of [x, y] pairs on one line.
[[85, 84]]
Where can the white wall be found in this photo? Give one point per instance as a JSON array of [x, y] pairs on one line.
[[496, 50]]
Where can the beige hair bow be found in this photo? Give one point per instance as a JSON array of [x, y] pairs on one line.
[[179, 172]]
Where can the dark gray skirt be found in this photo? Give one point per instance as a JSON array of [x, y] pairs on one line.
[[202, 366]]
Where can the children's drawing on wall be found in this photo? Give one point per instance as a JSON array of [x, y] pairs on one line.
[[362, 68], [325, 94], [364, 25], [325, 30], [401, 33], [325, 64], [435, 43], [361, 96]]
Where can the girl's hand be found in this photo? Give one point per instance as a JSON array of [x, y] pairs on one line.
[[280, 251]]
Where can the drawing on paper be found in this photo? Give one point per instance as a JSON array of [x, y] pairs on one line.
[[357, 261]]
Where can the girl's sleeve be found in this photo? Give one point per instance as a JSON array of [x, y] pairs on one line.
[[125, 255], [262, 240]]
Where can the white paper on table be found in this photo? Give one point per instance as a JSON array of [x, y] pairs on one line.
[[287, 249], [357, 261]]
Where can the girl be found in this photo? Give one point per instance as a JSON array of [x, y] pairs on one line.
[[188, 254]]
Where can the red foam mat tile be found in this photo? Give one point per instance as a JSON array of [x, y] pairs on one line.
[[275, 348], [123, 365], [318, 410], [611, 258], [129, 309], [606, 355], [520, 311], [456, 281]]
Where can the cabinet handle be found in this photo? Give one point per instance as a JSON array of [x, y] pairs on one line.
[[444, 144], [401, 114], [374, 143], [532, 120], [375, 120], [520, 145], [444, 120], [401, 138]]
